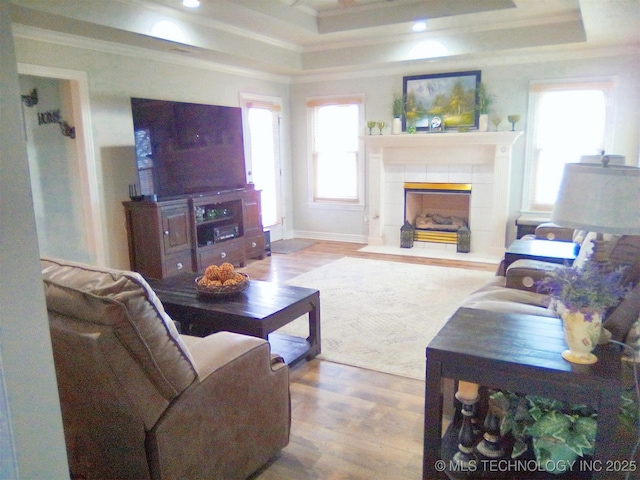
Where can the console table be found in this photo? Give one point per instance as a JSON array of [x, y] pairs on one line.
[[520, 353]]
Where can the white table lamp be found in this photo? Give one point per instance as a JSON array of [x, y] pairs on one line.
[[599, 198]]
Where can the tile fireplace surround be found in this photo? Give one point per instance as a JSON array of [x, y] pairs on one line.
[[482, 159]]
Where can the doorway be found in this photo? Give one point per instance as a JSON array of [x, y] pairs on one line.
[[261, 117], [61, 164]]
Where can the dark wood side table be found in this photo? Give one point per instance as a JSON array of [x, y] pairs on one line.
[[520, 353], [258, 311], [545, 250]]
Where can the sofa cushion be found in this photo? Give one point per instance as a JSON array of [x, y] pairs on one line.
[[626, 252], [524, 274], [123, 301], [494, 296], [551, 231], [619, 321]]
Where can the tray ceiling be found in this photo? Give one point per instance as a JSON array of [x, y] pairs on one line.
[[297, 37]]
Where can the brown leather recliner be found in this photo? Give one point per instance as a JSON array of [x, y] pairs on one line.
[[141, 401]]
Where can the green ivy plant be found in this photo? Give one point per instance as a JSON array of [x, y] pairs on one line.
[[556, 430]]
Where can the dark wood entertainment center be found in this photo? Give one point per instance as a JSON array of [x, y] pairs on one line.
[[188, 234]]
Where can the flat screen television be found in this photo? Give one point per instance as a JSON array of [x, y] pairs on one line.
[[187, 148]]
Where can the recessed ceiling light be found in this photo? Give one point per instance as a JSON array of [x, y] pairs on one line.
[[191, 3], [419, 26]]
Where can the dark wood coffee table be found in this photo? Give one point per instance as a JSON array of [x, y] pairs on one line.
[[258, 311]]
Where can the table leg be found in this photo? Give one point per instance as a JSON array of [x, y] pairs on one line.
[[314, 328], [605, 447], [432, 421]]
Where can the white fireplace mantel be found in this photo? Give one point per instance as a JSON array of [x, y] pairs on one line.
[[445, 139], [447, 148]]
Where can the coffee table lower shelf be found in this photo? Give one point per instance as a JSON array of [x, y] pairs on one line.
[[291, 348]]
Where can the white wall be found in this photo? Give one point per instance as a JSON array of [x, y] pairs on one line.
[[31, 435], [115, 78], [508, 79]]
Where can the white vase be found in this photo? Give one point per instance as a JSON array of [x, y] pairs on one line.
[[483, 122], [582, 335], [396, 126]]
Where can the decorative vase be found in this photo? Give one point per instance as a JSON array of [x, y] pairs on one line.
[[483, 122], [582, 334], [396, 126]]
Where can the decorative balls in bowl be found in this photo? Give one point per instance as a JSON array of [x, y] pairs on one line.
[[220, 281]]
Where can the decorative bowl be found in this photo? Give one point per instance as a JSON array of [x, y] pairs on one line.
[[223, 290]]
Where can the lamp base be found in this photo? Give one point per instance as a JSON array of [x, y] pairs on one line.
[[579, 358]]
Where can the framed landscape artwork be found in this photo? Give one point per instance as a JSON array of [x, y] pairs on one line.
[[450, 97]]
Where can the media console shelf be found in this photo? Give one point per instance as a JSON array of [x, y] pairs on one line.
[[188, 234]]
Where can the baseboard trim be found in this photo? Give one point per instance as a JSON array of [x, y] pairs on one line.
[[334, 237]]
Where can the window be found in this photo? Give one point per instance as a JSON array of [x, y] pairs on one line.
[[568, 120], [337, 167]]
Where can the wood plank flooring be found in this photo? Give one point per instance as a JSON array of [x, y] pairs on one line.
[[280, 268], [347, 422]]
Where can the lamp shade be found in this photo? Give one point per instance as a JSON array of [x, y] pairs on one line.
[[598, 198]]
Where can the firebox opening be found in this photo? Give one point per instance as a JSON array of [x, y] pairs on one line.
[[437, 210]]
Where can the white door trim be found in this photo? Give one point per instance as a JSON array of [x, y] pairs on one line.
[[88, 172], [277, 231]]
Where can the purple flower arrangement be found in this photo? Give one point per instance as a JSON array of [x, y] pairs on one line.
[[588, 289]]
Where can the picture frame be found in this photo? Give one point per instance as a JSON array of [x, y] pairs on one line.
[[441, 98]]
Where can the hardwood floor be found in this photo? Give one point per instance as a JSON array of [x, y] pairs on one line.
[[280, 268], [347, 422]]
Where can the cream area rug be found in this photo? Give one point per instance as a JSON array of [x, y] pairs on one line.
[[381, 315]]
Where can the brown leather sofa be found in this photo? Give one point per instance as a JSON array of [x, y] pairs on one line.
[[141, 401]]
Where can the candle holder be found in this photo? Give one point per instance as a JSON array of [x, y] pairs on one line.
[[467, 394], [491, 445]]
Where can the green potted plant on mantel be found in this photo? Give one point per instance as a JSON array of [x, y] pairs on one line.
[[398, 109], [581, 296], [483, 106]]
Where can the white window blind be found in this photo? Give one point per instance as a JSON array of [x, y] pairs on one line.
[[568, 120], [337, 165]]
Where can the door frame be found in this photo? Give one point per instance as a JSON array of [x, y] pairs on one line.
[[276, 231], [88, 174]]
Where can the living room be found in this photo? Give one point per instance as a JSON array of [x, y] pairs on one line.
[[115, 75]]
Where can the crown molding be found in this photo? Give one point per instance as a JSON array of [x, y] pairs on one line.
[[508, 57], [523, 56], [76, 41]]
